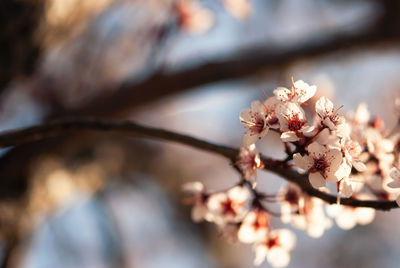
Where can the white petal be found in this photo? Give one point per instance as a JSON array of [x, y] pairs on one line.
[[323, 137], [358, 165], [335, 159], [316, 180], [347, 189], [343, 171], [289, 136], [249, 138], [394, 184], [324, 107], [395, 173], [278, 257], [258, 107], [199, 212], [316, 150], [287, 239], [398, 200], [303, 162], [346, 221], [365, 215], [261, 254], [245, 116], [193, 187], [308, 131]]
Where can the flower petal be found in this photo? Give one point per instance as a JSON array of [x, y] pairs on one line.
[[249, 138], [317, 180], [324, 107], [289, 136], [303, 162], [395, 173], [316, 150]]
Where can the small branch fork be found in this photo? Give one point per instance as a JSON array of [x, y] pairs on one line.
[[129, 128]]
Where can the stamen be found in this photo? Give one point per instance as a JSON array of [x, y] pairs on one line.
[[337, 110]]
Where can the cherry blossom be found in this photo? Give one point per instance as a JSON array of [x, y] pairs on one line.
[[303, 212], [230, 206], [272, 105], [275, 248], [321, 163], [352, 151], [199, 209], [254, 120], [329, 116], [348, 217], [299, 93], [293, 123], [255, 227], [249, 161]]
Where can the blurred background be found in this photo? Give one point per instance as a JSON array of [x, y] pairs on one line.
[[99, 200]]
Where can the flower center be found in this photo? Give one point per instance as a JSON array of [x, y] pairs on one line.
[[294, 123], [228, 207], [273, 242], [321, 164], [261, 221], [259, 124]]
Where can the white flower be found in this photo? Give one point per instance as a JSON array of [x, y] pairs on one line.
[[395, 184], [352, 151], [255, 227], [303, 212], [230, 206], [254, 120], [362, 114], [348, 217], [272, 105], [330, 118], [293, 123], [300, 92], [321, 163], [199, 210], [248, 162], [275, 248]]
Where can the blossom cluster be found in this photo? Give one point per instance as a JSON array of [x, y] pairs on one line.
[[349, 154]]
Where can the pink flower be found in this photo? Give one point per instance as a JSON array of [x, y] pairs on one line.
[[302, 211], [299, 93], [321, 163], [255, 227], [293, 123], [248, 162], [275, 248], [330, 118], [230, 206], [254, 120], [199, 209], [348, 217]]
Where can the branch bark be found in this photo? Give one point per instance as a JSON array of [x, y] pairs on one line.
[[124, 127]]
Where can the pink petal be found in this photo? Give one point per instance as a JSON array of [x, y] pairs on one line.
[[316, 180]]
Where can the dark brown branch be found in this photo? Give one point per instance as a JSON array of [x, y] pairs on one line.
[[69, 126]]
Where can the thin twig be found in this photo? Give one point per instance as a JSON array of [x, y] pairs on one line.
[[129, 128]]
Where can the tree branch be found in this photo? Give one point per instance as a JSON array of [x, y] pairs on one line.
[[73, 125]]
